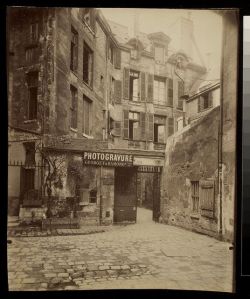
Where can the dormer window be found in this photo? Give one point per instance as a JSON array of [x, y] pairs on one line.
[[159, 54], [134, 53]]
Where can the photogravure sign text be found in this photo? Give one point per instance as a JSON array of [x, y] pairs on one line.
[[107, 159]]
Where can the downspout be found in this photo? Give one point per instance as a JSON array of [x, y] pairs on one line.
[[220, 159]]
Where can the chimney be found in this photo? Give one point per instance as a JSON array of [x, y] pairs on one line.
[[186, 35], [136, 23]]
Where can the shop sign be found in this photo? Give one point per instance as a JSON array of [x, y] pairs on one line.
[[153, 169], [140, 161], [107, 159]]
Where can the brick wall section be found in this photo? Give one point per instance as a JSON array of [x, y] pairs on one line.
[[191, 155]]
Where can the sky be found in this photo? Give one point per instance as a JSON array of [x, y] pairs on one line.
[[207, 27]]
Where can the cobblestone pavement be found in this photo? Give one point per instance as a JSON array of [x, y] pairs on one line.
[[143, 255]]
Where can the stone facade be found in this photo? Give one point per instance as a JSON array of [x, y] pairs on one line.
[[64, 45], [192, 157]]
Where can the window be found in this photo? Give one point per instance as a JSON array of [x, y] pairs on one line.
[[134, 88], [159, 91], [29, 153], [32, 80], [86, 122], [73, 108], [133, 125], [93, 196], [134, 53], [159, 54], [180, 123], [205, 101], [31, 54], [34, 31], [74, 50], [159, 129], [195, 196], [180, 94], [87, 64]]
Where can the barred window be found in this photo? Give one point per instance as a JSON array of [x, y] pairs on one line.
[[195, 196]]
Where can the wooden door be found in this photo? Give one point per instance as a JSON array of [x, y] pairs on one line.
[[125, 195]]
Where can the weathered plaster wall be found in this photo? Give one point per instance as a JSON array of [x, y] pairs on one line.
[[191, 155], [229, 100]]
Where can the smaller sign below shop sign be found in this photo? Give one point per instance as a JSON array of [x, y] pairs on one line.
[[154, 169], [107, 159]]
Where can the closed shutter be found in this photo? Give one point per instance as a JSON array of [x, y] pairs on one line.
[[150, 131], [180, 93], [200, 104], [143, 87], [117, 91], [207, 198], [117, 59], [150, 88], [126, 83], [210, 99], [143, 125], [170, 126], [117, 130], [170, 92], [125, 124]]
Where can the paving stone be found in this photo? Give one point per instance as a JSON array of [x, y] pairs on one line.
[[103, 267], [115, 267]]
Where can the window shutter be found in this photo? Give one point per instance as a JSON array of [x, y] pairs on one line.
[[143, 86], [170, 126], [117, 59], [126, 83], [207, 198], [150, 88], [210, 99], [200, 104], [117, 128], [117, 91], [143, 125], [125, 124], [180, 93], [150, 131], [170, 92]]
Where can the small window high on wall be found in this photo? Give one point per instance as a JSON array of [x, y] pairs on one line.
[[159, 54]]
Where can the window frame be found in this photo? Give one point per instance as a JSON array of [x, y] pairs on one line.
[[88, 79], [158, 101], [74, 50], [73, 107], [89, 113]]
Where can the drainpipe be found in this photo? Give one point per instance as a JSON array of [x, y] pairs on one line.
[[100, 195]]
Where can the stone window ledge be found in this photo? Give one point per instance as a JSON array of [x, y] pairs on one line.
[[73, 130], [30, 121], [87, 136]]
